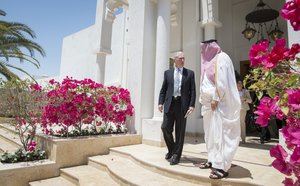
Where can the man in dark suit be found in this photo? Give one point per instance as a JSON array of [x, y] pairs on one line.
[[177, 100]]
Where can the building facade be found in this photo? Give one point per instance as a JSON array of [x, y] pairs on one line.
[[132, 41]]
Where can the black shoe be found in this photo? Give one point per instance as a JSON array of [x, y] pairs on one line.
[[168, 156], [174, 160], [267, 139]]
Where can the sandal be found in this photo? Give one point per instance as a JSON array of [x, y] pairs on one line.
[[218, 174], [204, 165]]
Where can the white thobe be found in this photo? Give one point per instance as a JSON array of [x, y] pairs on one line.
[[222, 126]]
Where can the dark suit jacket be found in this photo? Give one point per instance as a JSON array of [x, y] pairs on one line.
[[188, 92]]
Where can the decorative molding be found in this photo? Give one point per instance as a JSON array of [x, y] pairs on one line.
[[122, 3], [103, 51], [214, 22], [173, 17], [112, 6], [109, 11]]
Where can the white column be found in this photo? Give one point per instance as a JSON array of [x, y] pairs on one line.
[[151, 128], [210, 18], [209, 31], [162, 49], [101, 68]]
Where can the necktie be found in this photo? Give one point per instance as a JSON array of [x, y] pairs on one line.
[[177, 83]]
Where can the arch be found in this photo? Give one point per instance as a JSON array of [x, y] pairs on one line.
[[112, 6]]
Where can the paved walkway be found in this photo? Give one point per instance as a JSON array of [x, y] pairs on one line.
[[252, 162], [251, 165]]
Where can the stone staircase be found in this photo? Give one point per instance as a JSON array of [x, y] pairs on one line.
[[80, 175], [145, 165], [9, 139], [116, 168]]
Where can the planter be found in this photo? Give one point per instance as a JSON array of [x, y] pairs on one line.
[[74, 151], [62, 152]]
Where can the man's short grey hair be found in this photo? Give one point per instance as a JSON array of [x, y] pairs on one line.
[[179, 54]]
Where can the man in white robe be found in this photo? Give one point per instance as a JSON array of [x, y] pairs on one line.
[[220, 108]]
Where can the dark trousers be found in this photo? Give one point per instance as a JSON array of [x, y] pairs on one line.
[[174, 116], [265, 134]]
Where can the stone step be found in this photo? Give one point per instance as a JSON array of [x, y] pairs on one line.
[[52, 181], [78, 176], [6, 120], [152, 158], [249, 165], [130, 173], [86, 175], [7, 145], [12, 137], [9, 141], [9, 127]]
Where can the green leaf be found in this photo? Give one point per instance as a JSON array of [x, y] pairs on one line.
[[267, 73], [252, 87], [281, 101], [259, 94], [285, 110], [293, 79], [271, 92]]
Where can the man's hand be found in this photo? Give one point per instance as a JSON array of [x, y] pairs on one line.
[[213, 105], [191, 109], [160, 108]]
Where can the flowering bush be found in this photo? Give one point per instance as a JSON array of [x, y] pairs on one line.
[[27, 123], [70, 108], [83, 107], [25, 100], [277, 73]]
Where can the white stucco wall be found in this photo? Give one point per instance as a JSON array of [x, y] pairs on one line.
[[78, 58], [114, 62]]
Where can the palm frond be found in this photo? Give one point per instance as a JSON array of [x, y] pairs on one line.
[[14, 44], [9, 75], [2, 13], [19, 69], [23, 57], [15, 27], [30, 46]]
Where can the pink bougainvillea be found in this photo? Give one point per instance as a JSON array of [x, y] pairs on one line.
[[74, 104], [276, 72]]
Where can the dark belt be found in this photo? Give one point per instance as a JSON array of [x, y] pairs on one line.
[[176, 98]]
